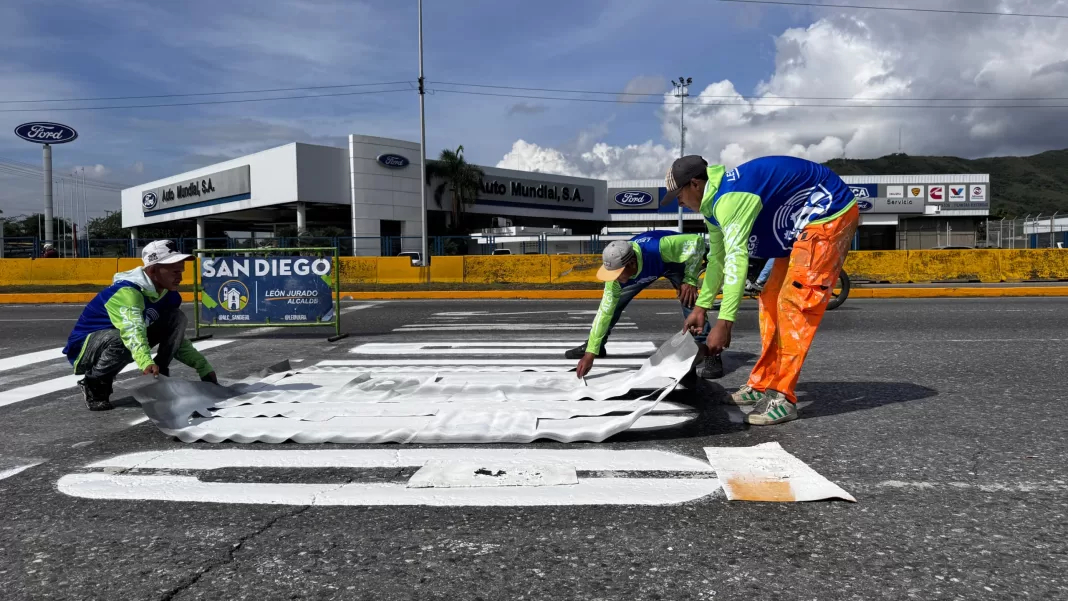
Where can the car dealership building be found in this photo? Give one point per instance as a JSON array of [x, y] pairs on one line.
[[371, 191]]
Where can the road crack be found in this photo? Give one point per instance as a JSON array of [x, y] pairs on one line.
[[192, 581]]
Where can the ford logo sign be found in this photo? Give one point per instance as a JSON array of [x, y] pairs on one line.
[[149, 200], [393, 161], [864, 205], [43, 132], [634, 198]]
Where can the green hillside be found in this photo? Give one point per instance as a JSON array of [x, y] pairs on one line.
[[1018, 185]]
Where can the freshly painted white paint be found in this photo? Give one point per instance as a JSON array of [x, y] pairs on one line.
[[594, 491], [30, 358], [360, 307], [766, 472], [139, 420], [496, 362], [493, 348], [17, 470], [543, 409], [547, 477], [16, 395], [502, 327], [592, 460], [489, 313]]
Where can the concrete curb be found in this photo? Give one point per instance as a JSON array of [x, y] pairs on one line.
[[48, 298]]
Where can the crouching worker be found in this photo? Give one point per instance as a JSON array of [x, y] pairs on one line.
[[140, 310], [629, 268]]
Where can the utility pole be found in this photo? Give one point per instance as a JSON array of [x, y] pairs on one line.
[[422, 146], [682, 90]]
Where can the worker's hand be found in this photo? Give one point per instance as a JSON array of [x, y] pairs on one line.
[[719, 337], [152, 370], [210, 378], [585, 364], [687, 295], [695, 323]]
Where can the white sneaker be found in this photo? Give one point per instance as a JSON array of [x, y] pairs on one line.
[[746, 395], [774, 409]]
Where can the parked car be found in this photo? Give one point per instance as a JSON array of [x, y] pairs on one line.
[[952, 248], [414, 256], [501, 251]]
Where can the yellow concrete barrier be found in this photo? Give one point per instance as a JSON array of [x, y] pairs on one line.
[[1038, 264], [17, 272], [398, 270], [953, 265], [71, 272], [878, 266], [574, 268], [447, 270], [506, 269], [359, 270]]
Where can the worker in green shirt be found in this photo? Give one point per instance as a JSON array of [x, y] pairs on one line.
[[630, 267]]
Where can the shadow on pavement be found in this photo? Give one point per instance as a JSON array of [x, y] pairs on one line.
[[834, 398]]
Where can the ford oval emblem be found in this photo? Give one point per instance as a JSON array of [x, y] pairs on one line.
[[393, 161], [864, 205], [42, 132], [149, 200], [634, 198]]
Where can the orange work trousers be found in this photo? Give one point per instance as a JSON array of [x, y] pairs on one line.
[[795, 298]]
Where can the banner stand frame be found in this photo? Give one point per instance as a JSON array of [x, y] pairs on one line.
[[213, 252]]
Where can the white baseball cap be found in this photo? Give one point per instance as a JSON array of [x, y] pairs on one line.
[[163, 252]]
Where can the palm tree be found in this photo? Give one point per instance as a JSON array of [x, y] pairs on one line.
[[462, 179]]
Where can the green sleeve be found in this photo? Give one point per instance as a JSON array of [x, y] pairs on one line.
[[126, 310], [603, 319], [714, 271], [688, 249], [736, 213], [190, 356]]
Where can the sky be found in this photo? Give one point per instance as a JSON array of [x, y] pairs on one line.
[[752, 66]]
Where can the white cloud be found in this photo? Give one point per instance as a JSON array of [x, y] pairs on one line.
[[643, 85], [878, 58], [139, 167], [95, 171]]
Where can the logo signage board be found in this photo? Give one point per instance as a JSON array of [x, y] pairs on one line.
[[937, 193], [529, 193], [977, 193], [234, 182], [958, 193], [916, 192], [864, 191], [276, 289], [895, 192], [393, 161], [44, 132]]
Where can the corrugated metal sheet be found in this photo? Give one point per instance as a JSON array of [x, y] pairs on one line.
[[653, 217], [637, 183]]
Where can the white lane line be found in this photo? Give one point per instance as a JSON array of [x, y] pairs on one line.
[[360, 307], [487, 313], [1055, 486], [30, 358], [527, 327], [139, 420], [583, 460], [497, 362], [17, 469], [16, 395], [501, 348]]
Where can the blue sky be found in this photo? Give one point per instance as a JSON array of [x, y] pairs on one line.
[[56, 49]]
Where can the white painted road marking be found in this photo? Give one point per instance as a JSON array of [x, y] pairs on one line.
[[16, 395], [512, 327], [493, 348], [587, 491], [30, 358], [360, 307], [17, 470], [498, 362]]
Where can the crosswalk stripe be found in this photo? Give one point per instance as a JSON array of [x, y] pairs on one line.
[[16, 395], [509, 327], [18, 361], [636, 362], [492, 348]]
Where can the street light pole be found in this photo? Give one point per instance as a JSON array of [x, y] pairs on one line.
[[422, 145], [682, 90]]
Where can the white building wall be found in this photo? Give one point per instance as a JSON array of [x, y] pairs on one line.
[[381, 192], [273, 175]]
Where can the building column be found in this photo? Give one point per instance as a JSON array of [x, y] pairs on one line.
[[302, 218], [201, 232], [133, 233]]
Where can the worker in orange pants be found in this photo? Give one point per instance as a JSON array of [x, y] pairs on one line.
[[770, 208], [789, 313]]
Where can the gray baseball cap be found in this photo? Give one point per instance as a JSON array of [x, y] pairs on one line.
[[616, 256], [681, 173]]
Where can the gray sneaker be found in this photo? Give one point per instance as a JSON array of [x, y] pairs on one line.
[[710, 367], [746, 395], [774, 409]]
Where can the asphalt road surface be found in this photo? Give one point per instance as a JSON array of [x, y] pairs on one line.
[[946, 419]]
